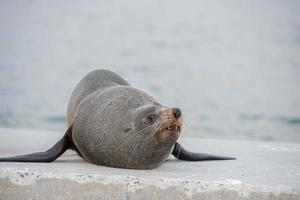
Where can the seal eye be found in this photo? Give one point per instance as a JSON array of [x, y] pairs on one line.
[[151, 117]]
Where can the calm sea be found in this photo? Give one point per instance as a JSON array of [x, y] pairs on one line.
[[233, 67]]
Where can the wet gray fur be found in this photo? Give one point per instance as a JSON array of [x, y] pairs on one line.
[[108, 125]]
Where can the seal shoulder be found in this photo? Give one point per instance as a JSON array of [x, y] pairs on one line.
[[93, 81]]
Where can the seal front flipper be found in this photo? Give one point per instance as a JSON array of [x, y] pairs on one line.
[[48, 156], [182, 154]]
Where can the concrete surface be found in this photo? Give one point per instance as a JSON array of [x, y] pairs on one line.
[[263, 170]]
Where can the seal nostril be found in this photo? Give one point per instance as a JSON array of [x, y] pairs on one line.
[[176, 112]]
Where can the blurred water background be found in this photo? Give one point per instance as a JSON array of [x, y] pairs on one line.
[[233, 67]]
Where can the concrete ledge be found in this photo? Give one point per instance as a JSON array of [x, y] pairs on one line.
[[264, 170]]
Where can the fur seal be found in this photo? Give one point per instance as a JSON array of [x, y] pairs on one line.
[[114, 124]]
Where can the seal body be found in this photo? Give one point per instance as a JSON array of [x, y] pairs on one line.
[[114, 124], [110, 126]]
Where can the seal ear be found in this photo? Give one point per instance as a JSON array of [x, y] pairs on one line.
[[182, 154], [129, 127], [47, 156]]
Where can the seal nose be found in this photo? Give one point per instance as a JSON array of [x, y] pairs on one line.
[[176, 112]]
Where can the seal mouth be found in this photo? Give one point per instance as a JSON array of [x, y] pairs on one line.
[[173, 128], [170, 133]]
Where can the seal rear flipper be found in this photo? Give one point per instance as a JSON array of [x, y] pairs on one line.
[[182, 154], [48, 156]]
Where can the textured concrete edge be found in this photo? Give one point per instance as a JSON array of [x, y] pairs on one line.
[[14, 181]]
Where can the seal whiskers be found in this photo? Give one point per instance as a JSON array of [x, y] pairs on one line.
[[132, 137], [147, 139]]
